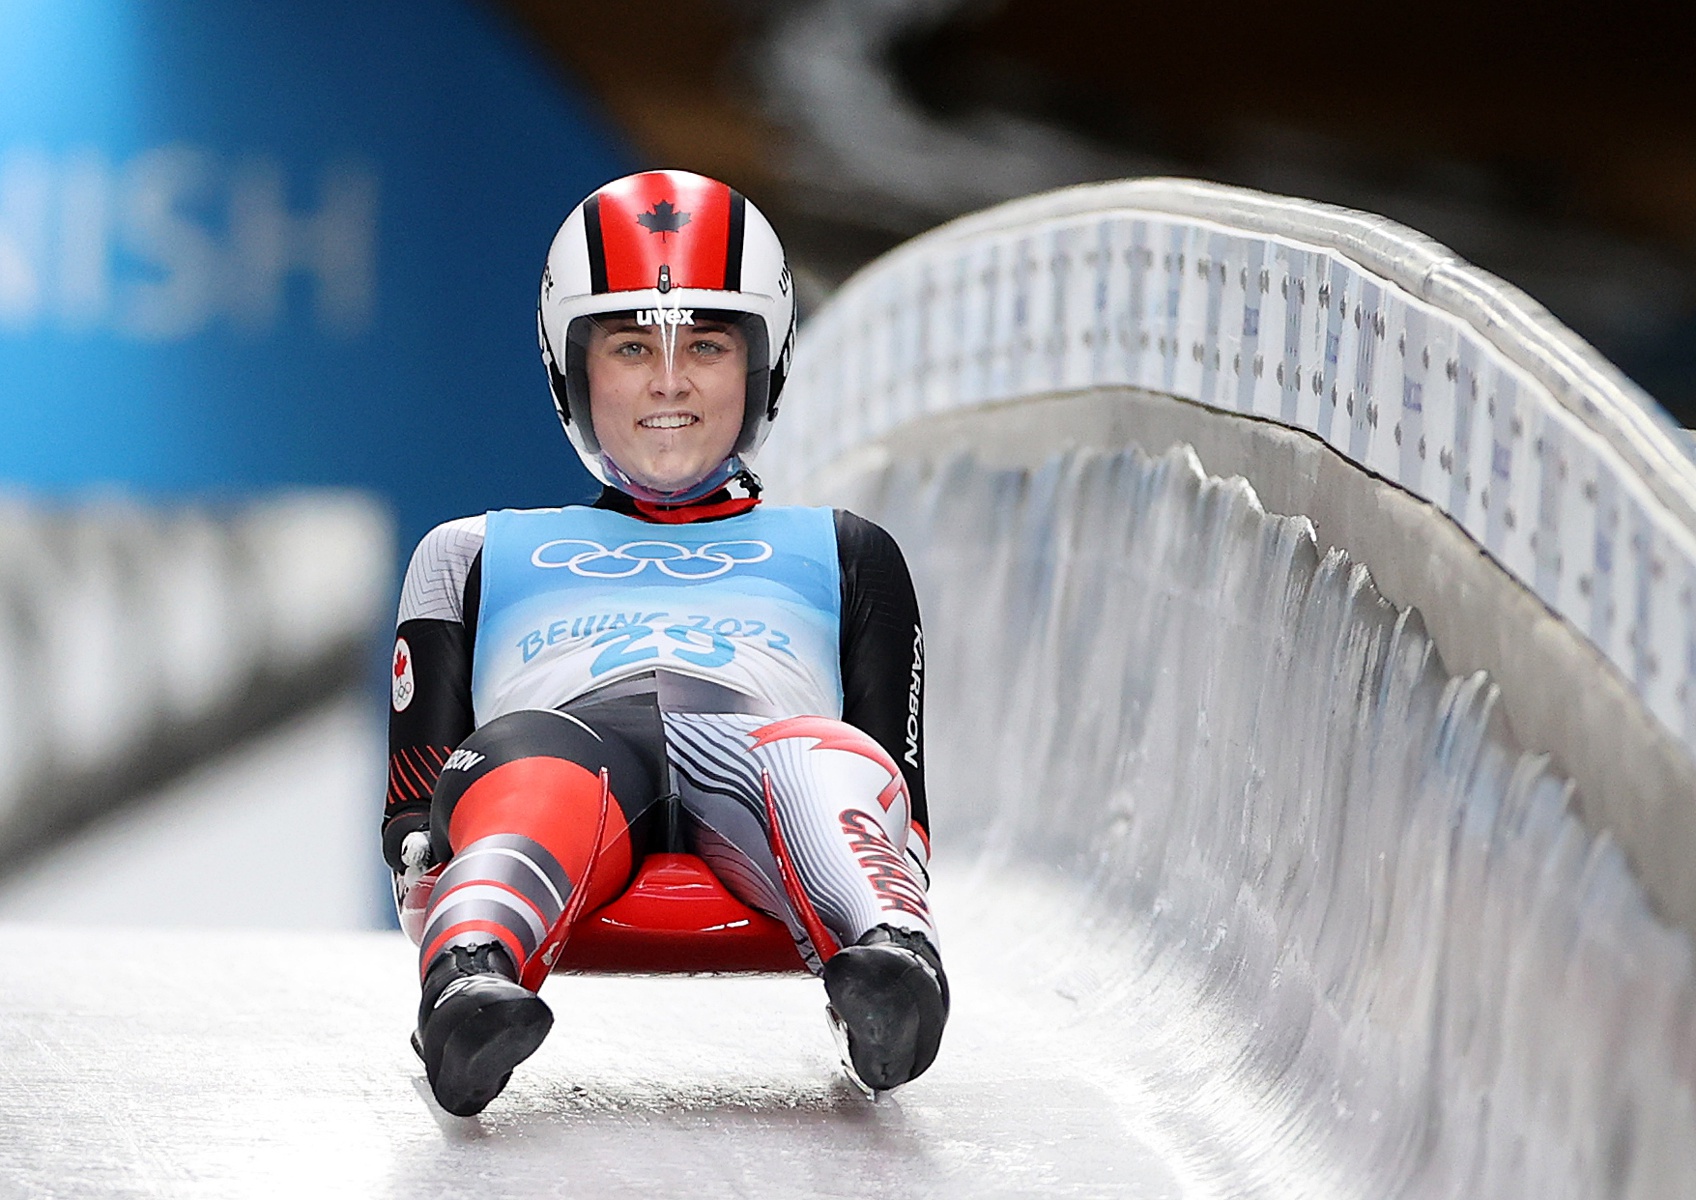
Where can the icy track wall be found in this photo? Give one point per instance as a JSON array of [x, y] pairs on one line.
[[1416, 972], [136, 639], [1420, 972]]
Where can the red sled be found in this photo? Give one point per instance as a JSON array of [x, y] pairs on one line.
[[676, 917]]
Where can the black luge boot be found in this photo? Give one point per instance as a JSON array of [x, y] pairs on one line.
[[889, 998], [475, 1024]]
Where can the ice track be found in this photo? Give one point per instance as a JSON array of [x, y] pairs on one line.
[[231, 1065]]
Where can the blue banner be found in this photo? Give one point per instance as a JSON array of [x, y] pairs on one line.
[[245, 245]]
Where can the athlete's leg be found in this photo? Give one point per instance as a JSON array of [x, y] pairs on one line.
[[856, 903], [516, 814], [842, 814]]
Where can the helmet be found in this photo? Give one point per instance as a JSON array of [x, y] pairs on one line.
[[663, 246]]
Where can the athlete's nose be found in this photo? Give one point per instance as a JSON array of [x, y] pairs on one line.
[[669, 380]]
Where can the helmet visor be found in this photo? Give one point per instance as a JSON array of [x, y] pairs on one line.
[[670, 366], [663, 392]]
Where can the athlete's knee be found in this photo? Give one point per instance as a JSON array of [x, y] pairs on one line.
[[843, 769], [826, 733], [542, 773], [553, 800]]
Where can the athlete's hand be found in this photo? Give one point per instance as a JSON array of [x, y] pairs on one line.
[[415, 853], [406, 829]]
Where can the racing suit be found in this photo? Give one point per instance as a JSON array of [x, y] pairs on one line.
[[722, 660]]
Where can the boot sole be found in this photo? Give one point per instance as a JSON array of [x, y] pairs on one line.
[[892, 1011], [479, 1055]]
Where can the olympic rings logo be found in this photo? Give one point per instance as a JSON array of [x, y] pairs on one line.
[[592, 560]]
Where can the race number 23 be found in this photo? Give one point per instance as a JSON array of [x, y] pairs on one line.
[[700, 641]]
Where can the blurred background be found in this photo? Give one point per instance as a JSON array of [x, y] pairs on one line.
[[267, 287]]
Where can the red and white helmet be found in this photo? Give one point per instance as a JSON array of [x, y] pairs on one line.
[[663, 245]]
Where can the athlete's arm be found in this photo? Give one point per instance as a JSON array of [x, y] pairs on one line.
[[883, 656], [430, 706]]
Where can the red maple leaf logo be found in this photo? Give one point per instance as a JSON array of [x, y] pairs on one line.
[[400, 662]]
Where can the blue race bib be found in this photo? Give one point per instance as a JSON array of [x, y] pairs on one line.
[[576, 598]]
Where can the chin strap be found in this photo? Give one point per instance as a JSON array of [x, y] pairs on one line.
[[701, 510], [737, 496], [710, 484]]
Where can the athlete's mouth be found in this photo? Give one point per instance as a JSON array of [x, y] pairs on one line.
[[668, 421]]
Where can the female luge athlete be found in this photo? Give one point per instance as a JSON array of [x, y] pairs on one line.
[[671, 653]]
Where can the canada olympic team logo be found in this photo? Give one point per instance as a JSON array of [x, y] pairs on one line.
[[591, 560], [401, 684]]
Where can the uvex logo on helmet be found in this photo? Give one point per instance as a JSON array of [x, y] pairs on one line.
[[665, 316], [668, 249]]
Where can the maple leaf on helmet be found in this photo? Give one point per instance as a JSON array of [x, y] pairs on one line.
[[663, 219]]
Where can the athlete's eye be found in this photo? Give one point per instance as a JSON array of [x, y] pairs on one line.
[[709, 347], [630, 349]]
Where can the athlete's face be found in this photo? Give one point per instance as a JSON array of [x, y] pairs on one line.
[[667, 419]]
